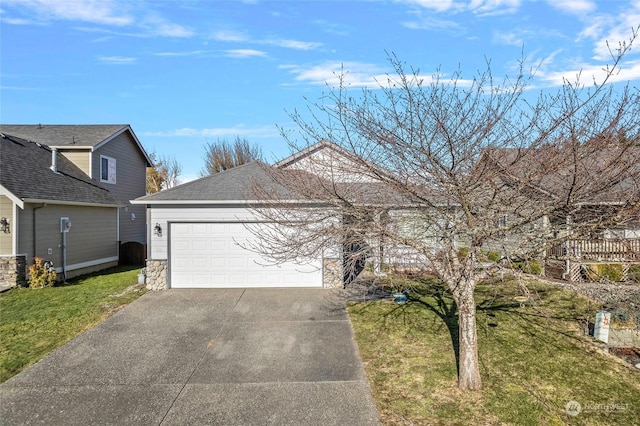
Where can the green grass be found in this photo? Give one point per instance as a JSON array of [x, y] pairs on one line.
[[534, 360], [34, 322]]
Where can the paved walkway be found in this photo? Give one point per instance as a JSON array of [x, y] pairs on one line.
[[203, 357]]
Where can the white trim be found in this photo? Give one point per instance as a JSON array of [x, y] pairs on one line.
[[14, 230], [222, 202], [70, 203], [133, 135], [88, 264], [4, 191], [112, 165]]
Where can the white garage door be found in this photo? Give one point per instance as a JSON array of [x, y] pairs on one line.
[[215, 255]]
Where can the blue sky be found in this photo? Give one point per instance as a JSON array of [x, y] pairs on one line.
[[184, 73]]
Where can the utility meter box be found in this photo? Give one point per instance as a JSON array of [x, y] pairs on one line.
[[65, 224]]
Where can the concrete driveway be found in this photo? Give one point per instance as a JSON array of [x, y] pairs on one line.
[[204, 357]]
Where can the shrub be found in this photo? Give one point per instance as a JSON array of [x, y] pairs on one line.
[[599, 271], [634, 273], [41, 273], [493, 256], [529, 266], [463, 252]]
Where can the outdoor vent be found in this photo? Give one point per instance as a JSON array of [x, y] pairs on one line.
[[54, 160]]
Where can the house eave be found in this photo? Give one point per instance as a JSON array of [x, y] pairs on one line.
[[135, 138], [221, 202], [70, 203]]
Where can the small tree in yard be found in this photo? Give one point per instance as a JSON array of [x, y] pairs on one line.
[[465, 165], [163, 174], [223, 155]]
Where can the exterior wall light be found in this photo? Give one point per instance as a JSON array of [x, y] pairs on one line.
[[157, 230], [4, 225]]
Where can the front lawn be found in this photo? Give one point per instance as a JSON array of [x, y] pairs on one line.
[[34, 322], [535, 359]]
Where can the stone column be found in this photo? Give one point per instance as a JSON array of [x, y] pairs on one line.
[[156, 274]]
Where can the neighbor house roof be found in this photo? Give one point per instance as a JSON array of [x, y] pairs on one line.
[[555, 172], [89, 136], [26, 176]]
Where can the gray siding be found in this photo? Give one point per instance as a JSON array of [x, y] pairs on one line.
[[6, 240], [130, 183], [92, 237]]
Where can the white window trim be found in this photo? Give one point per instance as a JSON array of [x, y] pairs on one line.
[[110, 173]]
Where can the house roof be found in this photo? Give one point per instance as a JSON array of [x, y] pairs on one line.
[[554, 171], [256, 182], [232, 185], [26, 176], [89, 136]]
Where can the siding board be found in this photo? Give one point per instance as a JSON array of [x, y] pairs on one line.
[[130, 183]]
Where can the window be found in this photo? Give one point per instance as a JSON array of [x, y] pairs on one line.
[[107, 169]]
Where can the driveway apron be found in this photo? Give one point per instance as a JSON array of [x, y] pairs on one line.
[[203, 357]]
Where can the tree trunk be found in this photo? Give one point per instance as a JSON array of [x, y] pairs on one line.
[[468, 366]]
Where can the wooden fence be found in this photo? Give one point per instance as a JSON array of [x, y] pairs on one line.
[[623, 250]]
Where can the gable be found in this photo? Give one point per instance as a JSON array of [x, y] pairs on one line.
[[328, 161], [27, 174]]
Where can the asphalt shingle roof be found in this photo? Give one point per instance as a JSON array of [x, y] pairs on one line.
[[25, 172], [88, 135], [236, 184]]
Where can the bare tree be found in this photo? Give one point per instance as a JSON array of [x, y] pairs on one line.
[[444, 169], [163, 174], [223, 155]]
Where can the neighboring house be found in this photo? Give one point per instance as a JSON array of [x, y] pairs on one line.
[[565, 247], [99, 169]]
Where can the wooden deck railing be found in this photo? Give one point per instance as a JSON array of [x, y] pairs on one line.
[[623, 250]]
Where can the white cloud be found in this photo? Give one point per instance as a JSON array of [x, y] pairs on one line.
[[429, 22], [608, 30], [105, 12], [239, 37], [291, 44], [97, 11], [179, 54], [245, 53], [589, 73], [437, 5], [356, 74], [509, 39], [576, 7], [230, 36], [117, 60], [218, 132], [493, 7], [163, 28], [479, 7]]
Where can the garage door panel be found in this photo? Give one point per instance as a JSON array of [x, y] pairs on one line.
[[221, 255]]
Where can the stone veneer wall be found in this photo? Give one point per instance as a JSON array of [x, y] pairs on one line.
[[332, 273], [156, 274], [13, 270]]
